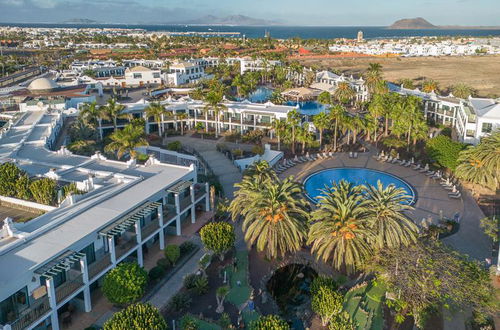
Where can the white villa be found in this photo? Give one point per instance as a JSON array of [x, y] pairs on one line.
[[472, 118], [136, 76], [251, 65], [58, 259], [183, 73], [328, 81]]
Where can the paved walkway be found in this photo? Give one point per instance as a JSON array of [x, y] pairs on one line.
[[222, 167]]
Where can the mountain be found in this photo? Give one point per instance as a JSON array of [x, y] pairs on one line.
[[229, 20], [412, 23], [80, 21]]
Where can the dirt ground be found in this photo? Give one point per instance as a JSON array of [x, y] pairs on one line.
[[480, 72]]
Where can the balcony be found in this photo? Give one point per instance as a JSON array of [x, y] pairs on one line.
[[168, 213], [185, 202], [38, 309], [67, 288], [149, 228], [98, 266], [199, 191], [125, 246]]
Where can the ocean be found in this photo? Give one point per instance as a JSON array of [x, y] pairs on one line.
[[286, 32]]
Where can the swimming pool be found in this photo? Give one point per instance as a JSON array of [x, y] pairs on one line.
[[314, 183], [309, 108]]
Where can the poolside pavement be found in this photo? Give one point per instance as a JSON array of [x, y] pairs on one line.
[[432, 199]]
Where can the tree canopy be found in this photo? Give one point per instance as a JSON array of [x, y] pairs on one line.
[[137, 317], [125, 283], [218, 237]]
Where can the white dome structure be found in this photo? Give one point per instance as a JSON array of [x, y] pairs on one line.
[[42, 84]]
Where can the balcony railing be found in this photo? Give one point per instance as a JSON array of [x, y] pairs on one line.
[[98, 266], [125, 247], [185, 202], [199, 192], [39, 308], [168, 214], [68, 287], [149, 228]]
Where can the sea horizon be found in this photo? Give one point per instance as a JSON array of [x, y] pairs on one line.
[[284, 31]]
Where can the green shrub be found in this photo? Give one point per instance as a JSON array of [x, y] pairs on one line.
[[190, 281], [444, 151], [237, 152], [258, 150], [172, 253], [174, 146], [322, 281], [163, 263], [189, 323], [23, 187], [142, 157], [44, 191], [186, 247], [137, 316], [9, 174], [180, 302], [201, 285], [156, 273], [269, 322], [225, 321], [125, 283], [218, 237]]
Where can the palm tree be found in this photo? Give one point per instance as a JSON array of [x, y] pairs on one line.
[[157, 111], [462, 90], [325, 98], [337, 112], [213, 100], [430, 86], [113, 111], [220, 295], [279, 127], [481, 164], [304, 136], [373, 78], [406, 83], [376, 110], [321, 122], [387, 220], [260, 171], [274, 214], [181, 117], [340, 232], [293, 120], [126, 140], [90, 114], [344, 92]]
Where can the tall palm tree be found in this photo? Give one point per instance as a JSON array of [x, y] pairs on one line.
[[157, 111], [376, 110], [373, 77], [340, 232], [90, 113], [321, 122], [293, 120], [181, 117], [113, 111], [337, 112], [260, 171], [325, 98], [481, 164], [358, 124], [279, 127], [304, 136], [462, 90], [126, 140], [274, 215], [344, 93], [213, 100], [387, 220]]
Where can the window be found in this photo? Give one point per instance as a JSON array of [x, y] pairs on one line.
[[156, 75], [137, 75], [487, 127], [90, 253]]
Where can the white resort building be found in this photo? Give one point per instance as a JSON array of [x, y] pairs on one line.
[[58, 259], [471, 118], [183, 73], [328, 81]]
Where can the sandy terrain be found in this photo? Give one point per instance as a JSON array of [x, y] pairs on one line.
[[480, 72]]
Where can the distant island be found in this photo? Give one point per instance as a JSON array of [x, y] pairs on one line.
[[81, 21], [420, 23], [241, 20]]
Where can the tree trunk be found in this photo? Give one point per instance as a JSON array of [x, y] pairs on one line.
[[279, 142], [320, 138], [335, 137], [386, 126], [293, 140]]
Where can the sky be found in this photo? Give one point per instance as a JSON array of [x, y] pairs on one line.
[[288, 12]]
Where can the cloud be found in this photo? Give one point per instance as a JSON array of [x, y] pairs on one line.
[[12, 2], [47, 4]]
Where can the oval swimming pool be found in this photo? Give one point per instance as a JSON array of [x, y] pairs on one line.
[[315, 182]]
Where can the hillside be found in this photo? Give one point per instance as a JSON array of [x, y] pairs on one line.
[[412, 23]]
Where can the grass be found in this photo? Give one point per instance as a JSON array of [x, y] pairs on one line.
[[239, 294], [204, 325], [249, 316], [364, 304]]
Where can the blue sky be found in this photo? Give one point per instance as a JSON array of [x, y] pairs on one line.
[[290, 12]]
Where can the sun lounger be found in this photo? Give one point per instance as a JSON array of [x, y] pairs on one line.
[[395, 160], [355, 154], [455, 195], [416, 167], [430, 173]]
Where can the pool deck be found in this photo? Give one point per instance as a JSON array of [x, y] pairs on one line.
[[431, 199]]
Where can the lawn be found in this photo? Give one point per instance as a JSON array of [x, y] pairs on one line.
[[364, 304], [239, 294]]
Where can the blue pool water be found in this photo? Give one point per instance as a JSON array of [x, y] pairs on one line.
[[309, 108], [317, 181], [260, 95]]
